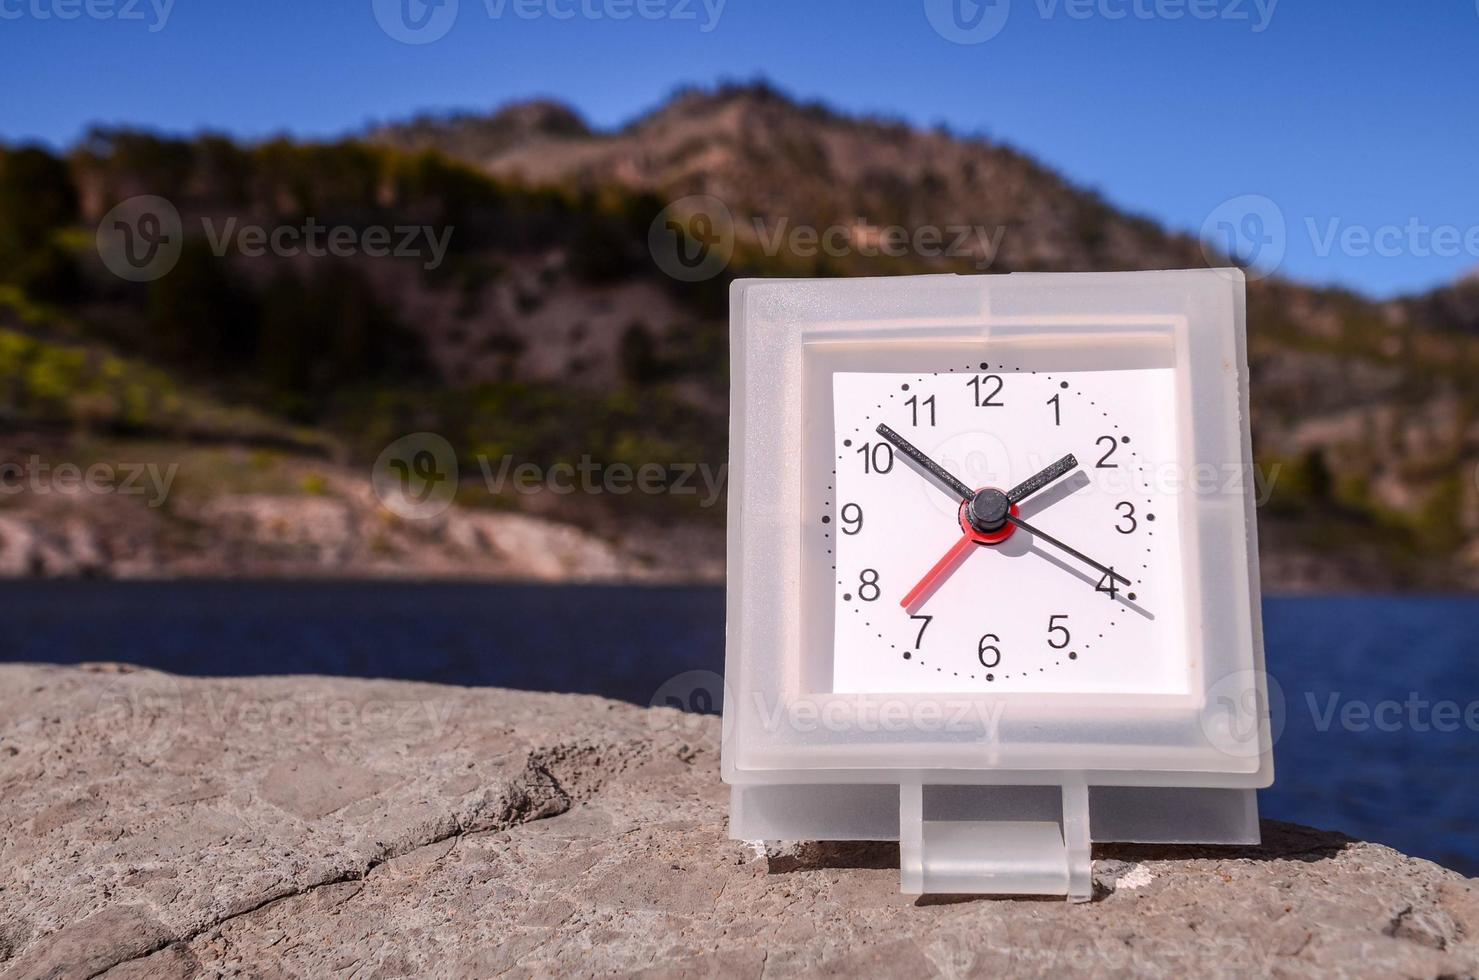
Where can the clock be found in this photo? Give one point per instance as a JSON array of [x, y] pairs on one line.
[[992, 584]]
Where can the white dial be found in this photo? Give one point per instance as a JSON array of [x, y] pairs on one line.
[[927, 599]]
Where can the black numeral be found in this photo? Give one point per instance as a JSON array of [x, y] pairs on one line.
[[1053, 627], [852, 519], [924, 624], [986, 395], [928, 403], [1104, 463], [1057, 410], [987, 652], [877, 457], [1128, 510], [868, 589], [1106, 584]]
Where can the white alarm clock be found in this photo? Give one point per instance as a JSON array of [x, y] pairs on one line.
[[992, 575]]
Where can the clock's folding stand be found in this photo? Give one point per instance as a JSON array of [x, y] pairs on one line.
[[1008, 797]]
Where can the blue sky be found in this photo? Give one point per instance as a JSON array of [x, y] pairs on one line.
[[1356, 119]]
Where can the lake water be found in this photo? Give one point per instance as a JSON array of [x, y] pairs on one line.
[[1404, 775]]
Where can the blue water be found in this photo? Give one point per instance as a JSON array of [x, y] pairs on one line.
[[1413, 786]]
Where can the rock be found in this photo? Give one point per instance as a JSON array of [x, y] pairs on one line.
[[17, 549], [153, 826], [321, 528], [340, 529]]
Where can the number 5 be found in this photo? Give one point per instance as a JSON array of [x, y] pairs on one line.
[[1053, 627]]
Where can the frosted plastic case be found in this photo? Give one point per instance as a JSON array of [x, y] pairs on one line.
[[998, 793]]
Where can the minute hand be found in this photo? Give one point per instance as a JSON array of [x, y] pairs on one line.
[[1072, 551]]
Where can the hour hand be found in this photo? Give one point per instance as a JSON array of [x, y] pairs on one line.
[[1040, 480], [934, 469]]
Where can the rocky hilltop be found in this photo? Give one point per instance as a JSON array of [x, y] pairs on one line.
[[540, 329], [156, 826]]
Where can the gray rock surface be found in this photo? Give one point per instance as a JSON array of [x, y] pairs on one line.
[[153, 826]]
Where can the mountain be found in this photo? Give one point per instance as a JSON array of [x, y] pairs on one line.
[[546, 333], [1367, 409], [767, 156]]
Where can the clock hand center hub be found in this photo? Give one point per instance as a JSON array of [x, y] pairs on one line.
[[984, 516]]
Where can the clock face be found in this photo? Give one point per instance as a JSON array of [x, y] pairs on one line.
[[938, 592]]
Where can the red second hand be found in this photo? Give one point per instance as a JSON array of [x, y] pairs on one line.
[[953, 559], [936, 576]]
